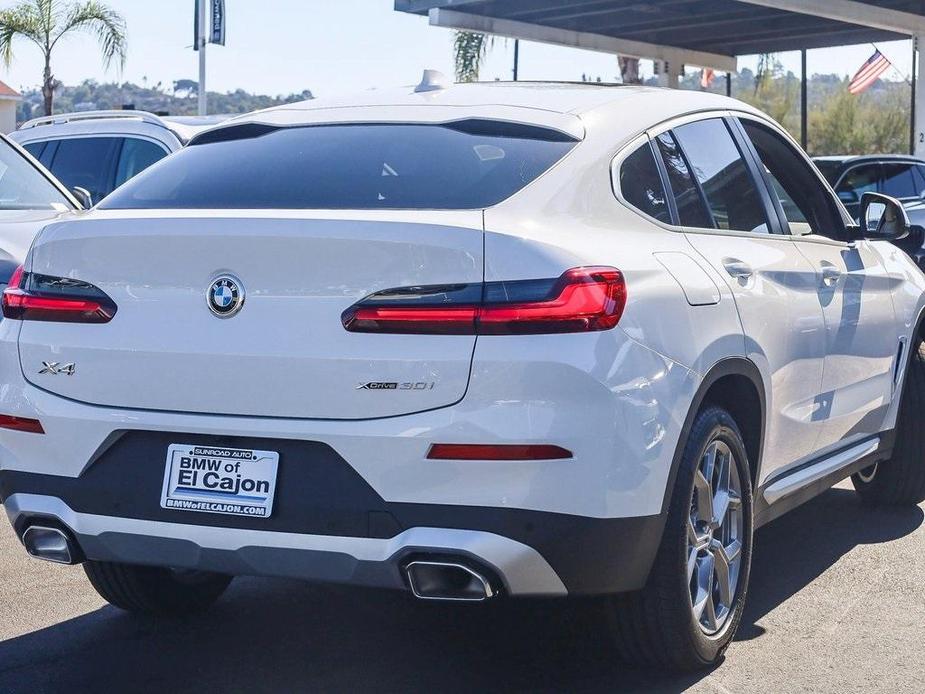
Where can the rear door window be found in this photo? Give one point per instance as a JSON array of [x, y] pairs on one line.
[[898, 180], [692, 210], [641, 184], [918, 171], [136, 156], [35, 148], [87, 162], [727, 184], [468, 164]]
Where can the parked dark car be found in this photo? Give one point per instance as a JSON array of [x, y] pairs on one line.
[[897, 175]]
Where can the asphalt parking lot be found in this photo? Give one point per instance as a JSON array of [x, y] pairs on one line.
[[837, 603]]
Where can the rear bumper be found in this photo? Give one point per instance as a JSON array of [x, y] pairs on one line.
[[577, 556], [594, 519]]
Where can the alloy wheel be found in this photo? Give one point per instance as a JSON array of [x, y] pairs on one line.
[[715, 531]]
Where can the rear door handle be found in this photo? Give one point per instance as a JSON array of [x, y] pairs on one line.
[[737, 268], [830, 275]]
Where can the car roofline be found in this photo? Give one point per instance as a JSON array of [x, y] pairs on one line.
[[179, 130]]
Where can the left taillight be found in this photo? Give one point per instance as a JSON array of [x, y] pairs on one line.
[[33, 296], [582, 299]]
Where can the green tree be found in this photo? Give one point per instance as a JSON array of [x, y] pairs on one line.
[[775, 92], [45, 22], [874, 122], [469, 50]]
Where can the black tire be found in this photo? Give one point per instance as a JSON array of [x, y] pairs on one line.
[[656, 626], [900, 481], [154, 590]]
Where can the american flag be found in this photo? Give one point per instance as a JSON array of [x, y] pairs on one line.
[[875, 66]]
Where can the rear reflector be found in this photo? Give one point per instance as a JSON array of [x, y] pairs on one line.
[[488, 451], [583, 299], [33, 426], [31, 296]]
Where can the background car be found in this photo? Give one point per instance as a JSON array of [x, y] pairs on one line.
[[896, 175], [900, 176], [100, 150], [30, 197]]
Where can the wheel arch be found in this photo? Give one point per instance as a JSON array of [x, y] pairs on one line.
[[727, 384], [917, 333], [919, 330]]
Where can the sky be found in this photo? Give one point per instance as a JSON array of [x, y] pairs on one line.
[[334, 47]]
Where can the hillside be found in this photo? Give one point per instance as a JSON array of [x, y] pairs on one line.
[[177, 99], [839, 123]]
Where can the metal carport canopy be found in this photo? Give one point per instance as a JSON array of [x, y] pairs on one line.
[[701, 33]]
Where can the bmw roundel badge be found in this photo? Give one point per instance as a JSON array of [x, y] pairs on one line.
[[225, 296]]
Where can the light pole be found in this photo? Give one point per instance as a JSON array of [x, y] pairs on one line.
[[516, 57], [202, 41]]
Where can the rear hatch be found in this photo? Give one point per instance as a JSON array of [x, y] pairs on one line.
[[286, 352], [307, 220]]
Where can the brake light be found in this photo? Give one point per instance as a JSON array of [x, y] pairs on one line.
[[583, 299], [32, 296]]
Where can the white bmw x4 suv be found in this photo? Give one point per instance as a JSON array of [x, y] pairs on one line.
[[486, 340]]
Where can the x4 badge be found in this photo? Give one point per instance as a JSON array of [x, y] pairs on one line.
[[56, 367]]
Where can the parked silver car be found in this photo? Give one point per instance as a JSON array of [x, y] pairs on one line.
[[100, 150], [30, 198]]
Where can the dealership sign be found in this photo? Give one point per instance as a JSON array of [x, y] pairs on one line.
[[216, 19]]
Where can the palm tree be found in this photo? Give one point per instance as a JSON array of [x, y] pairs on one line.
[[45, 22], [469, 49]]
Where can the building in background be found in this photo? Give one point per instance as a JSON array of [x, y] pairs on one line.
[[9, 100]]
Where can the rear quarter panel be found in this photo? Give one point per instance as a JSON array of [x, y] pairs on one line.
[[571, 217]]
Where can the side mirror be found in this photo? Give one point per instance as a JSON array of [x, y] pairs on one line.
[[883, 218], [83, 197]]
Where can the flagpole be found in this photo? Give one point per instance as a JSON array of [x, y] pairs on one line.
[[912, 100], [202, 40]]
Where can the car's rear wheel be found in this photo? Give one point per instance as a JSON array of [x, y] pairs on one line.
[[155, 590], [901, 479], [689, 611]]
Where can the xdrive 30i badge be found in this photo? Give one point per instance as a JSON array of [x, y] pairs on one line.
[[392, 385], [225, 296]]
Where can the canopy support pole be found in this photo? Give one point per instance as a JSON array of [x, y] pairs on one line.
[[804, 104], [516, 57], [918, 144], [915, 46]]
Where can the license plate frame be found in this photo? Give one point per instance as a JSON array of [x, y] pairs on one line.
[[220, 479]]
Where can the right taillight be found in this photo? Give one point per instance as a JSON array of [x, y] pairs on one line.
[[580, 300], [33, 296]]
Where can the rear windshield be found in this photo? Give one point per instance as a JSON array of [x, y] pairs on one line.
[[466, 165]]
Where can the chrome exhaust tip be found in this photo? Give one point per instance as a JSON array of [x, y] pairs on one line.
[[50, 544], [447, 580]]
